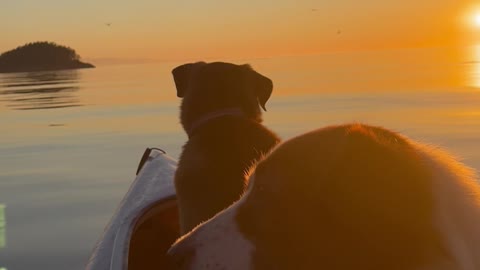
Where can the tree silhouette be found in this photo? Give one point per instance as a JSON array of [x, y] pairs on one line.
[[40, 56]]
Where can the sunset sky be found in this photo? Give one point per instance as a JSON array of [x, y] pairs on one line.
[[178, 29]]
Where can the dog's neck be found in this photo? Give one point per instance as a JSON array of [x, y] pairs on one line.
[[232, 111]]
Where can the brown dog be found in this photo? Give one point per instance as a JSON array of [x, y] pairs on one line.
[[221, 114], [345, 197]]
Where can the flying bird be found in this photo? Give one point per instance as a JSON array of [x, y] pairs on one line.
[[108, 24]]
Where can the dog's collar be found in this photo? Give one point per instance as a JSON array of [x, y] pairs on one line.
[[233, 111]]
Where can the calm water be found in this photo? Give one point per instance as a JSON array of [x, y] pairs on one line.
[[71, 140]]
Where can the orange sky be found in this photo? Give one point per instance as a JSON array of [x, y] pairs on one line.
[[178, 30]]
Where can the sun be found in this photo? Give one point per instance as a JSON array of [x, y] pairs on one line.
[[471, 17], [476, 20]]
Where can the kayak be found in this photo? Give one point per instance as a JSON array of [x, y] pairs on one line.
[[145, 223]]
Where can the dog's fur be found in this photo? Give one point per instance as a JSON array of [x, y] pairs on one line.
[[222, 145], [346, 197]]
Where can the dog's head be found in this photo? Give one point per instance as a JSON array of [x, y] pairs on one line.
[[346, 197], [210, 87]]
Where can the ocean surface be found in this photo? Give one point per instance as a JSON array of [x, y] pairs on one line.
[[70, 141]]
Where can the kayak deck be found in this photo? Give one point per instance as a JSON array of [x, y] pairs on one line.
[[146, 222]]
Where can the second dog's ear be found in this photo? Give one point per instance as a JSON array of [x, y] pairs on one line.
[[181, 76], [263, 89]]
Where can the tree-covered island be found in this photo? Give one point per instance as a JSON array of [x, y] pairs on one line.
[[40, 56]]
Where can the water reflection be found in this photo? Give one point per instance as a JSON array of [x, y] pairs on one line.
[[40, 90], [474, 74], [473, 67]]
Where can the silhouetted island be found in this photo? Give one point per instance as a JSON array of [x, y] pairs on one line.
[[40, 56]]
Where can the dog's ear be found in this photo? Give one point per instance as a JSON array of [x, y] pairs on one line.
[[181, 76], [263, 88]]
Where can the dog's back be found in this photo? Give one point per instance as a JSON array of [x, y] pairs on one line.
[[213, 167], [221, 114], [346, 197]]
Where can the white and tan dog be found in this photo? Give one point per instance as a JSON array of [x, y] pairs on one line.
[[345, 197]]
